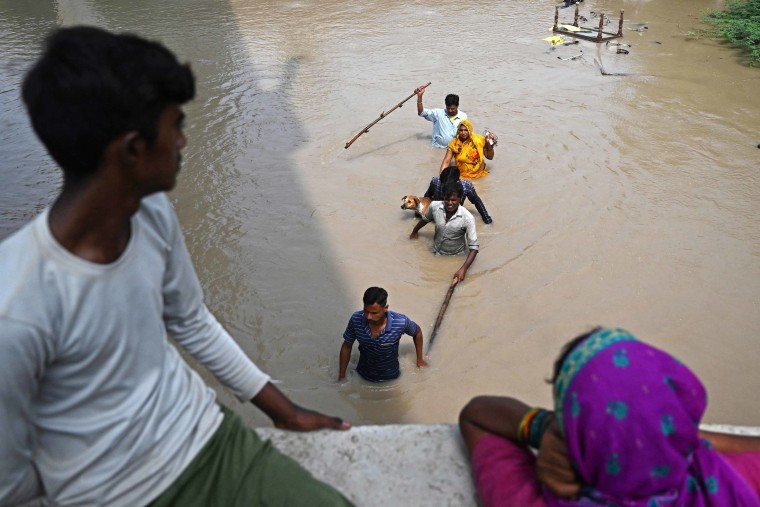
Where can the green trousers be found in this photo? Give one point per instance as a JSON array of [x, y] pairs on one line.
[[236, 468]]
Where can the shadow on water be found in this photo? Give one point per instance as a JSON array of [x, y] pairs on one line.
[[28, 175], [265, 265], [622, 200]]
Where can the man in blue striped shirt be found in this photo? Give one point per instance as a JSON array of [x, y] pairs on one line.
[[378, 331]]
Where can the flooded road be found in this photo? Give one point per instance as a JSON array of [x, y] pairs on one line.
[[628, 201]]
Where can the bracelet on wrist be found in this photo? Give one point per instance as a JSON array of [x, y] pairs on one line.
[[532, 427], [538, 426], [523, 429]]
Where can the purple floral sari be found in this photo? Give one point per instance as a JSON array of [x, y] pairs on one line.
[[630, 413]]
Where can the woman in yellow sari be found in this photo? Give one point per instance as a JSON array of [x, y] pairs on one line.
[[469, 150]]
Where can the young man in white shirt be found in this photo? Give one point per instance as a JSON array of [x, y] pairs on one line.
[[96, 406]]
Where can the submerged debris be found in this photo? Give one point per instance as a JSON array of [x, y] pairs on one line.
[[618, 47], [555, 40], [568, 3], [605, 73], [574, 57], [558, 40], [595, 34]]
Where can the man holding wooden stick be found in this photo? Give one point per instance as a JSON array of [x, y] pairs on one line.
[[454, 227], [445, 121]]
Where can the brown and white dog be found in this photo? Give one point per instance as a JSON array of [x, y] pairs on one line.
[[418, 204]]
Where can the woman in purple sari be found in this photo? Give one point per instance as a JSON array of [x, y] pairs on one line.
[[624, 432]]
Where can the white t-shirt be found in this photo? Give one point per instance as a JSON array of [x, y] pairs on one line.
[[96, 406]]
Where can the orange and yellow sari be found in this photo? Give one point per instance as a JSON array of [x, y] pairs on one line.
[[468, 154]]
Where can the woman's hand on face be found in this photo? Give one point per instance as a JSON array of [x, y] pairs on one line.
[[553, 467]]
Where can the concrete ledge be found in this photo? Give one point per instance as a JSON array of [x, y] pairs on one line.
[[377, 466], [400, 465], [404, 465]]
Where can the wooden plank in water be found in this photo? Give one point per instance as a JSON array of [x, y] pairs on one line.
[[593, 34]]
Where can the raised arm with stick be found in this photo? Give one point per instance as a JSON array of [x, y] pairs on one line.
[[384, 114]]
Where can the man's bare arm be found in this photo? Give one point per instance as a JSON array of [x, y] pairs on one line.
[[421, 363], [446, 160], [420, 225], [420, 91], [460, 274], [345, 355], [287, 415]]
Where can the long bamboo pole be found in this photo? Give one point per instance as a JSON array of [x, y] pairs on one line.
[[442, 311], [383, 115]]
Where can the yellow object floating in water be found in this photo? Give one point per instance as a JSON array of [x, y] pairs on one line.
[[568, 28], [555, 40]]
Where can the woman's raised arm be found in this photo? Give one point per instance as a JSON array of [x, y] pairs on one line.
[[446, 160]]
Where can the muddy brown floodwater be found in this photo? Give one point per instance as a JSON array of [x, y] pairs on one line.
[[629, 201]]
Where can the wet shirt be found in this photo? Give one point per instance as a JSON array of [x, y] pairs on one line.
[[444, 127], [456, 236], [378, 356]]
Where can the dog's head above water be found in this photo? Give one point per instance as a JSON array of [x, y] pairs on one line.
[[410, 202], [417, 204]]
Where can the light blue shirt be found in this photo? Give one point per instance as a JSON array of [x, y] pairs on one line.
[[444, 129]]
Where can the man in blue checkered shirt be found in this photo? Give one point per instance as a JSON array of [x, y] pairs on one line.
[[378, 332]]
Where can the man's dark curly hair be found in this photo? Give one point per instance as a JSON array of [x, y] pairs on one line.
[[90, 86]]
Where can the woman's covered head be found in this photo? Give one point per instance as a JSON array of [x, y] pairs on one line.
[[464, 130], [629, 413]]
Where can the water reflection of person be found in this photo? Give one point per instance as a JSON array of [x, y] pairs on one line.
[[624, 432], [455, 231], [97, 407], [469, 151]]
